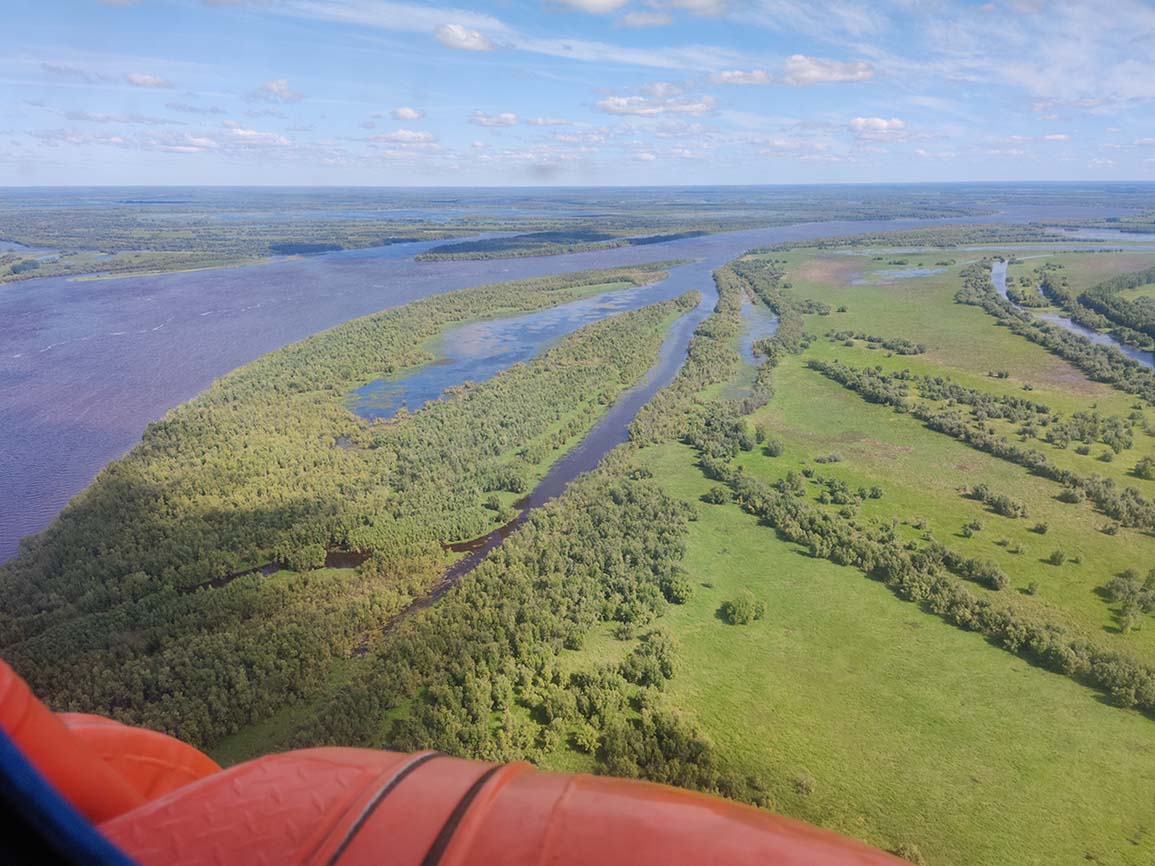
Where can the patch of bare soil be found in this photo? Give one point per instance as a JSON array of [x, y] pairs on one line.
[[836, 270]]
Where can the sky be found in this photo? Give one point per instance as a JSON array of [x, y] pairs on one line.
[[575, 92]]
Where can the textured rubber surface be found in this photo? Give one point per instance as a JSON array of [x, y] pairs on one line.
[[162, 803]]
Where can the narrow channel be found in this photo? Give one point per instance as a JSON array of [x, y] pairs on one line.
[[612, 430], [999, 278]]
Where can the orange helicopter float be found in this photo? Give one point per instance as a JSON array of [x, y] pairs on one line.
[[87, 790]]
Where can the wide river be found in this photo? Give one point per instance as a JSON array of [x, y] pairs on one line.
[[86, 364]]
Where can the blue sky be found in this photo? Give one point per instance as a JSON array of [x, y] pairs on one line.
[[575, 92]]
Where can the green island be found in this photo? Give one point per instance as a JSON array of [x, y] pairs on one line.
[[895, 578]]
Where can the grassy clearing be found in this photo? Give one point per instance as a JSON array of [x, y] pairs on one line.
[[1147, 291], [925, 474], [908, 730]]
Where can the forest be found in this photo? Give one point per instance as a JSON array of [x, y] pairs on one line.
[[100, 611]]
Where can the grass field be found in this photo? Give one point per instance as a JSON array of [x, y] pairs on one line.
[[863, 712], [907, 729], [1147, 291], [925, 473]]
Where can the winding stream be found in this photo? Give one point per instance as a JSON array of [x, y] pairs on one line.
[[999, 278]]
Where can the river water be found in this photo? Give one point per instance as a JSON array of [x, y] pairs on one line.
[[478, 351], [86, 364], [1147, 359]]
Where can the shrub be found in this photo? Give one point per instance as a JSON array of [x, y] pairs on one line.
[[1057, 557], [804, 784], [304, 558], [1145, 468], [744, 609], [910, 853], [716, 495], [677, 588], [1072, 495]]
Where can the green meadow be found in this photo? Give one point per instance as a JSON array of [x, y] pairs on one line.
[[864, 712]]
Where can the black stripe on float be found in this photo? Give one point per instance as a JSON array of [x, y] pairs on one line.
[[396, 779], [446, 835]]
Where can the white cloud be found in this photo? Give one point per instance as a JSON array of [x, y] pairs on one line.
[[479, 145], [802, 71], [641, 20], [645, 156], [663, 88], [698, 7], [462, 38], [480, 31], [144, 79], [201, 142], [255, 138], [547, 121], [142, 119], [64, 70], [738, 76], [277, 90], [1057, 136], [404, 112], [505, 118], [588, 138], [595, 7], [407, 136], [832, 20], [787, 143], [640, 106], [193, 109], [1102, 163], [877, 127]]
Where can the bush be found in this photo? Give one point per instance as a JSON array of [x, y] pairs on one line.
[[1057, 557], [304, 558], [1145, 468], [773, 448], [910, 853], [716, 495], [744, 609], [677, 588]]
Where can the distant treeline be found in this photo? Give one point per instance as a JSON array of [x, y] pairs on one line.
[[551, 243], [939, 237]]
